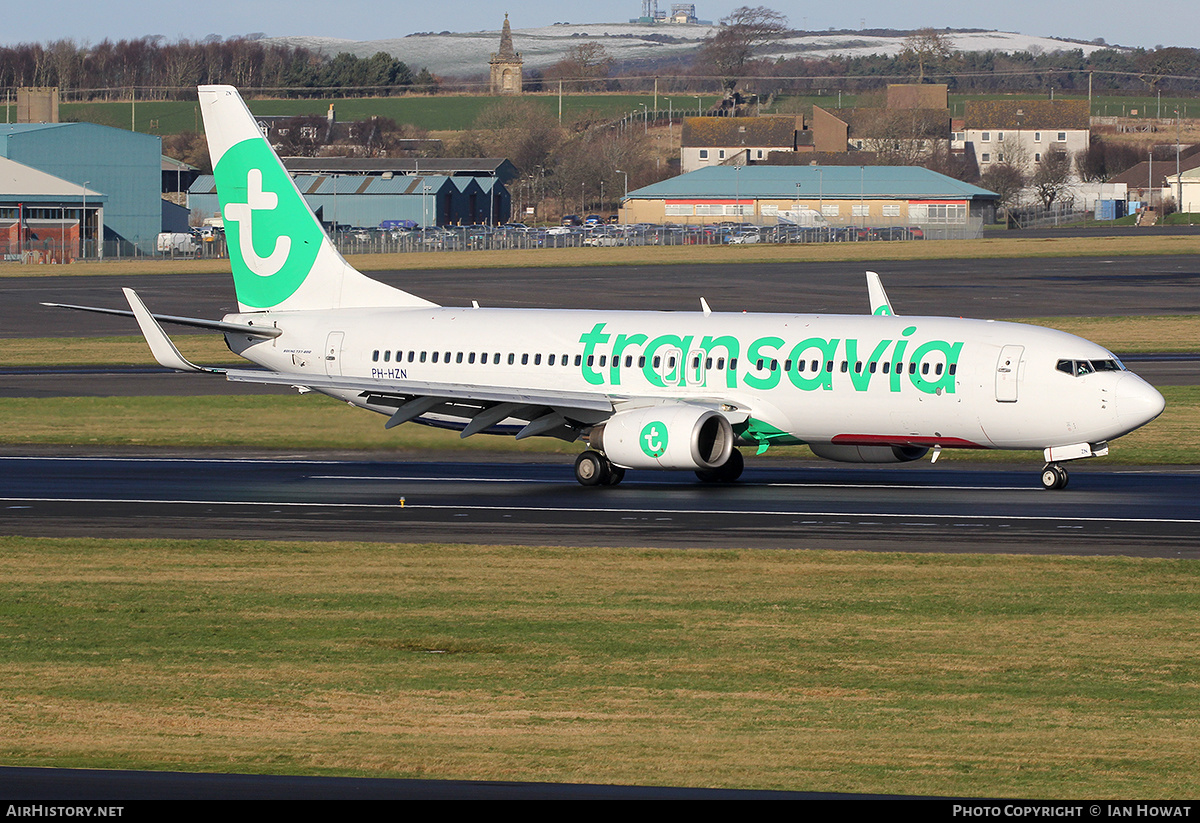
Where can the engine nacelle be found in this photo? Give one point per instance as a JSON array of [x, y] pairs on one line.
[[676, 436], [868, 454]]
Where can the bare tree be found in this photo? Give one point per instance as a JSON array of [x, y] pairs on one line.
[[302, 136], [523, 131], [903, 137], [926, 47], [1013, 152], [743, 31], [1006, 180], [1052, 178], [589, 63]]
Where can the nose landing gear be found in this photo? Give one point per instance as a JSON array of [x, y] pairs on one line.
[[1054, 476]]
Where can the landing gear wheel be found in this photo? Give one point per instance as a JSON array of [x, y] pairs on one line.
[[1054, 476], [591, 469], [615, 475], [727, 472]]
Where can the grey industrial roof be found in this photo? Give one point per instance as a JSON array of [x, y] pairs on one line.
[[19, 180], [398, 165], [831, 182], [171, 164], [325, 184]]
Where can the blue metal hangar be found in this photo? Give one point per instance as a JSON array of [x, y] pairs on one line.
[[123, 166], [843, 195], [354, 191]]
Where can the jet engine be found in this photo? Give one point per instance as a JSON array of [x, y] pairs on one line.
[[675, 436], [868, 454]]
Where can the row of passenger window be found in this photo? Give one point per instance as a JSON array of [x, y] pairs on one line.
[[471, 358], [872, 367], [601, 361]]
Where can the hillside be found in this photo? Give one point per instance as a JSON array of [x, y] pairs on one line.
[[455, 54]]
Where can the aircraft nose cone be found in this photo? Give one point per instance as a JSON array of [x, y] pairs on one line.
[[1137, 401]]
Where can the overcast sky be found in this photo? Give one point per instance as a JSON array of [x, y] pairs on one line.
[[1167, 22]]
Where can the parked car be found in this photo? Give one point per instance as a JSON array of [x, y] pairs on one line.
[[605, 240]]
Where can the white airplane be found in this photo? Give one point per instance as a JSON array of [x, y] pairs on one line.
[[645, 390]]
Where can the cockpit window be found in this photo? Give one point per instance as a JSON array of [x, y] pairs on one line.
[[1080, 368]]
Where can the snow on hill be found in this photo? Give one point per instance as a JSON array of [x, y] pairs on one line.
[[467, 53]]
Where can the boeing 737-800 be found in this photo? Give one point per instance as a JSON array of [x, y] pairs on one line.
[[645, 390]]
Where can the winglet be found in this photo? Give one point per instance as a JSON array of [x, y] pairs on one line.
[[879, 298], [161, 347]]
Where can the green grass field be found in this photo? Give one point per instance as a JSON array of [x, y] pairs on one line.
[[855, 672], [455, 112], [452, 112]]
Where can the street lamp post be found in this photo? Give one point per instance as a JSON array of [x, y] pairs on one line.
[[737, 191], [83, 222], [626, 197]]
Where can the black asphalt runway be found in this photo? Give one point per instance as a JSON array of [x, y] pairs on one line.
[[987, 289], [1105, 510]]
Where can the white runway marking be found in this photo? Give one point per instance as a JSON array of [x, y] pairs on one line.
[[792, 485], [575, 510]]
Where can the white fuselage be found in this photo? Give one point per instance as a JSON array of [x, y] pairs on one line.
[[841, 379]]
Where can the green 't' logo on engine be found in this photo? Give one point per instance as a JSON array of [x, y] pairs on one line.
[[272, 236], [653, 439]]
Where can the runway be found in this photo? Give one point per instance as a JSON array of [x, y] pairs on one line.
[[984, 288], [1106, 509]]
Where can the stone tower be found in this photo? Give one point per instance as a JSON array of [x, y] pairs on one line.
[[506, 65]]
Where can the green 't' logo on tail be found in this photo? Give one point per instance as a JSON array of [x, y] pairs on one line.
[[273, 237]]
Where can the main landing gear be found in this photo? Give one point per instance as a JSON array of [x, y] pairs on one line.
[[1054, 476], [594, 469]]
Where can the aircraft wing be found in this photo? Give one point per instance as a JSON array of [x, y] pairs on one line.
[[550, 413], [406, 388]]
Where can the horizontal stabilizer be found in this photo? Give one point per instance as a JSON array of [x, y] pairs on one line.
[[194, 322]]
